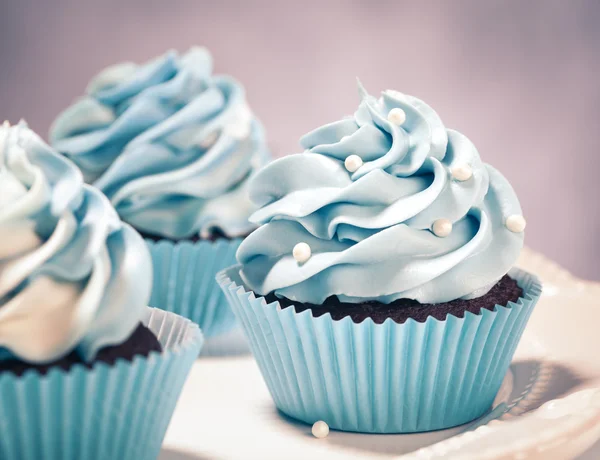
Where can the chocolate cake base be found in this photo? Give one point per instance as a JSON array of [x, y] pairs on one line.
[[141, 342], [506, 290], [214, 236]]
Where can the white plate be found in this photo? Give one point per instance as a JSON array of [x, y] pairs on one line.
[[548, 406]]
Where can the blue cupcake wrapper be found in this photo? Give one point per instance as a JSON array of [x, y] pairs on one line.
[[381, 378], [184, 281], [120, 411]]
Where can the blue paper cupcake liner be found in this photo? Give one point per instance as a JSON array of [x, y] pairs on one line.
[[381, 378], [184, 281], [107, 412]]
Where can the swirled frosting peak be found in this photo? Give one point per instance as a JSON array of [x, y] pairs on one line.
[[72, 275], [171, 145], [389, 204]]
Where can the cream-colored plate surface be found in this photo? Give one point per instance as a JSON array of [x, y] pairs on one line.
[[548, 406]]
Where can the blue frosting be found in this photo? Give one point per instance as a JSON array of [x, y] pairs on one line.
[[72, 275], [370, 231], [170, 145]]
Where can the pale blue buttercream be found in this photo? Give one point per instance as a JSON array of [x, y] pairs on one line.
[[72, 275], [171, 145], [370, 230]]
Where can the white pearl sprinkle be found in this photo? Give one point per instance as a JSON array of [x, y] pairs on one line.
[[238, 130], [516, 223], [353, 162], [240, 124], [442, 227], [397, 116], [320, 429], [6, 124], [301, 252], [462, 172], [209, 140]]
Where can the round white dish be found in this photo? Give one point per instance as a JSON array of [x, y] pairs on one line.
[[548, 406]]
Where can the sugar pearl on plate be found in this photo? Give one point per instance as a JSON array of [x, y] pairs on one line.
[[301, 252], [320, 429], [353, 162], [442, 227], [396, 116], [516, 223], [462, 172]]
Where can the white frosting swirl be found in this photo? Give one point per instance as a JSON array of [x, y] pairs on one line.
[[72, 275]]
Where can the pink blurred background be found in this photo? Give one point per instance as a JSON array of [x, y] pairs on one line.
[[520, 78]]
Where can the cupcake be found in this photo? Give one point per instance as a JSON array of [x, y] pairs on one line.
[[378, 293], [87, 370], [172, 147]]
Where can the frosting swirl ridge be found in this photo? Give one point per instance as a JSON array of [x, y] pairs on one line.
[[407, 223], [72, 275], [171, 145]]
